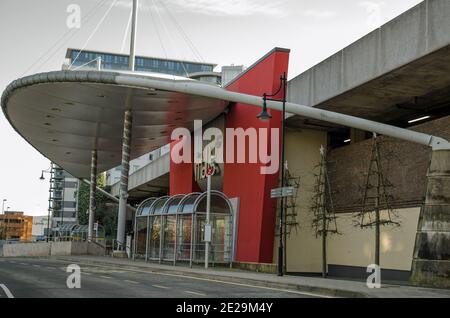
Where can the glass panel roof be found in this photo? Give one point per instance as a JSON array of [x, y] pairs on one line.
[[156, 207], [145, 208], [66, 227], [172, 204], [218, 204], [80, 229], [186, 204]]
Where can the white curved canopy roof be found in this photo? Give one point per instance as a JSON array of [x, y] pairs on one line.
[[67, 114]]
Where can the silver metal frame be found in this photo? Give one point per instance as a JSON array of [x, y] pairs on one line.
[[163, 214]]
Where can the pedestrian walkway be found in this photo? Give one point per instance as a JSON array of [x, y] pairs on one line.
[[326, 287]]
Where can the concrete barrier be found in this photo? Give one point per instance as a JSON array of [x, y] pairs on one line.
[[79, 248], [60, 248], [53, 249], [96, 249], [27, 249]]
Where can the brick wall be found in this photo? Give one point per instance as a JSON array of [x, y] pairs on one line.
[[405, 165]]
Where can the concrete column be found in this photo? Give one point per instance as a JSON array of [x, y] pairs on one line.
[[92, 188], [123, 194], [431, 261]]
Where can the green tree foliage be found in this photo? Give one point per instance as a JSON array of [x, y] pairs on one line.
[[104, 215]]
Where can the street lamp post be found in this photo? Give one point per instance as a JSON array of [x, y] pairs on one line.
[[265, 116], [208, 227], [4, 220], [42, 178], [6, 224]]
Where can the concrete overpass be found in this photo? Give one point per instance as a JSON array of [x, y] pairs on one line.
[[150, 180], [395, 73]]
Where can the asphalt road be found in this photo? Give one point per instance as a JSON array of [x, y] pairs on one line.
[[35, 277]]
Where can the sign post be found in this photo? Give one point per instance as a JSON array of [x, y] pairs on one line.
[[208, 231], [282, 192], [96, 231]]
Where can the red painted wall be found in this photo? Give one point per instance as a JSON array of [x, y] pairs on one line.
[[182, 176], [257, 210]]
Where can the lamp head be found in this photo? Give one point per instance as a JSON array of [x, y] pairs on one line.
[[42, 176], [264, 114]]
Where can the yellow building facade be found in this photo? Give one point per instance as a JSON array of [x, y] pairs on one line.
[[16, 226]]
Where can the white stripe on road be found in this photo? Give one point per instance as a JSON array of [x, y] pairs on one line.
[[6, 290], [23, 264], [130, 281], [107, 277], [87, 273], [159, 286], [184, 276], [37, 265], [194, 293]]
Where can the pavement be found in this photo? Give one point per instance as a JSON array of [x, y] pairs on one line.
[[47, 278], [105, 273]]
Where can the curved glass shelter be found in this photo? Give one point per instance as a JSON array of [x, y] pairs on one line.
[[171, 229], [76, 232]]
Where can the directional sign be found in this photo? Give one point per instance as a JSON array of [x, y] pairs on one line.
[[208, 233], [282, 192]]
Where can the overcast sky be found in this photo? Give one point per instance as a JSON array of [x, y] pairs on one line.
[[34, 36]]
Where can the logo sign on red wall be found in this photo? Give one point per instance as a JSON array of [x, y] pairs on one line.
[[210, 171]]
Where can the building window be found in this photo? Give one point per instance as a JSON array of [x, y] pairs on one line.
[[69, 204]]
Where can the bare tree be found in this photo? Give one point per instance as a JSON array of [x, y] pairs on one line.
[[324, 222], [376, 199]]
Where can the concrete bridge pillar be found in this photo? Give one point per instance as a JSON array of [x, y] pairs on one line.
[[431, 261]]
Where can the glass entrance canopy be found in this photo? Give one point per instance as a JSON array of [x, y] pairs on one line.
[[171, 229]]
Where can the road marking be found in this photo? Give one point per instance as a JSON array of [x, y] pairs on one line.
[[35, 265], [194, 293], [6, 290], [107, 277], [84, 273], [130, 281], [290, 291], [23, 264], [159, 286]]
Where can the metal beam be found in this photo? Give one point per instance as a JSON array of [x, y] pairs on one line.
[[131, 61]]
